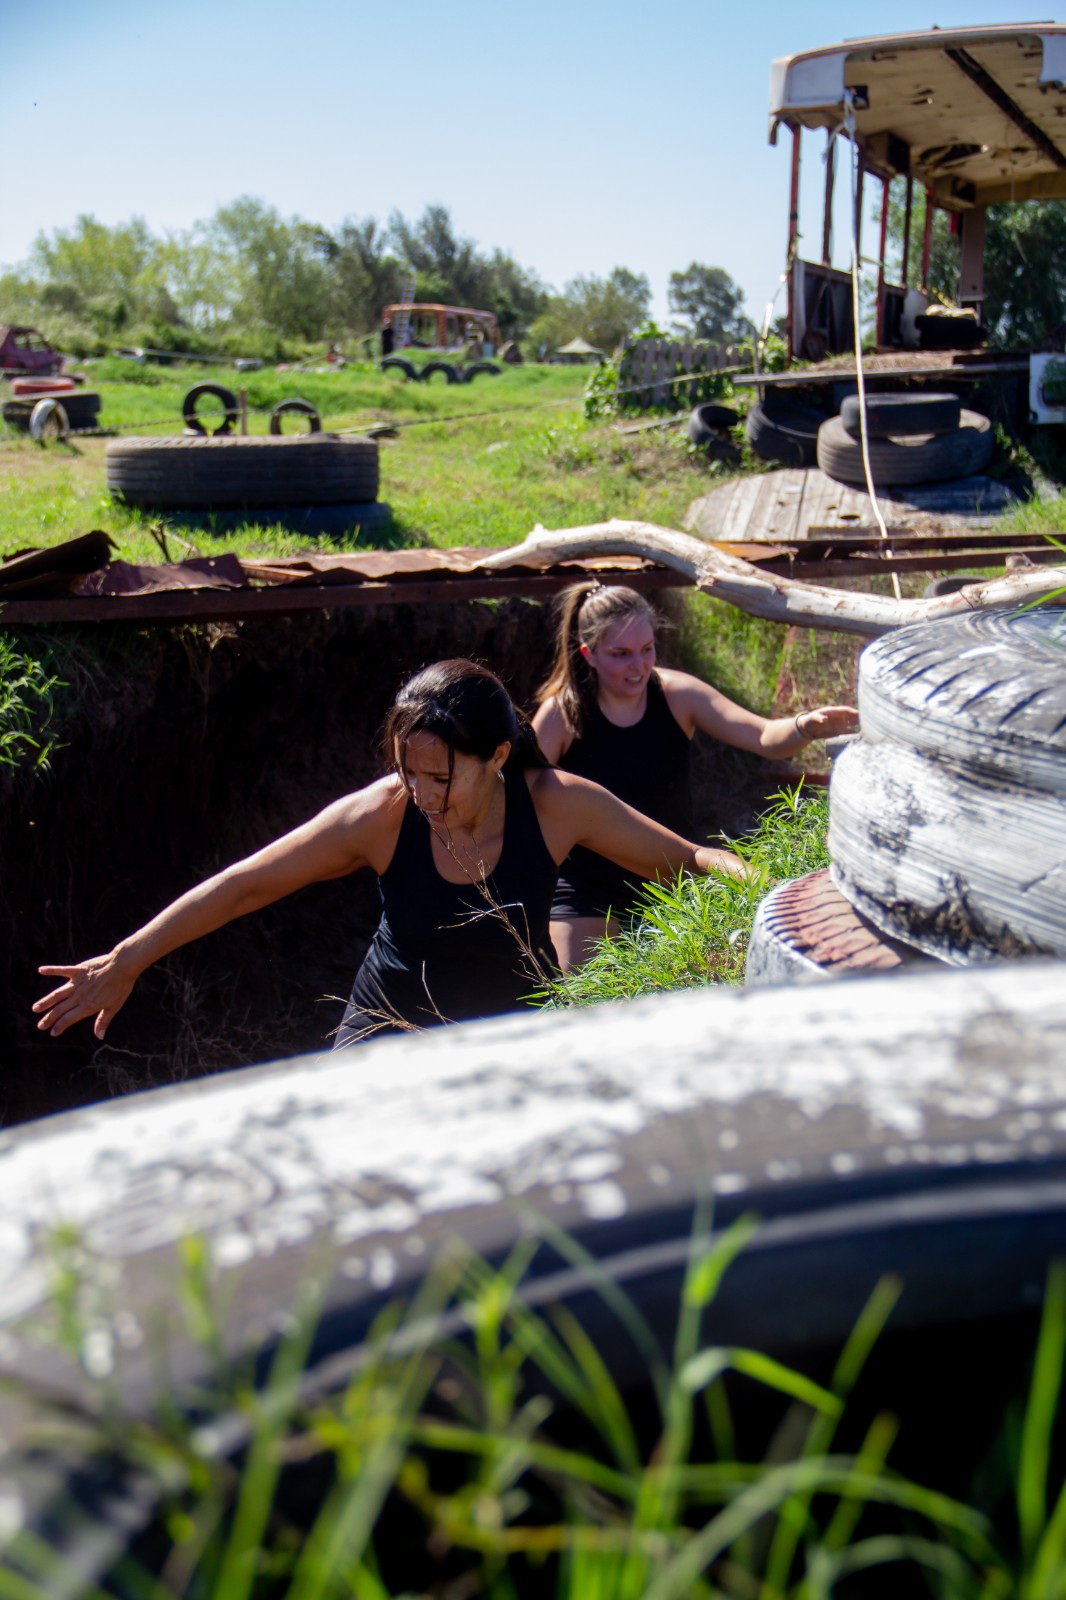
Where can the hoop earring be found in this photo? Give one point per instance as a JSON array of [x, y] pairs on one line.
[[499, 774]]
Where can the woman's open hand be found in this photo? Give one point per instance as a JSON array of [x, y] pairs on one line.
[[827, 722], [96, 988]]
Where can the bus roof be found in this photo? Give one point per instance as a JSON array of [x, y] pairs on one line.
[[977, 114]]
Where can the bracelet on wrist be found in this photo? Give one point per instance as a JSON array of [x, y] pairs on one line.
[[796, 720]]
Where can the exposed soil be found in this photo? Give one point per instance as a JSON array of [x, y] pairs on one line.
[[186, 748]]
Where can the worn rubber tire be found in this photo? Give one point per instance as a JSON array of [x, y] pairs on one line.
[[39, 387], [432, 368], [805, 930], [197, 473], [924, 458], [707, 423], [82, 409], [784, 432], [398, 364], [295, 408], [986, 690], [49, 420], [896, 416], [967, 867], [198, 392], [489, 368]]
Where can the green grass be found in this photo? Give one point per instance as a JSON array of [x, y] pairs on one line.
[[697, 930], [478, 464], [487, 1448]]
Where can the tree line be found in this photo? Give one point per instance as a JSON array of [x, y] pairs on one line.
[[249, 281]]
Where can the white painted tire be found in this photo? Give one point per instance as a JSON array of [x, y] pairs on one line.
[[805, 930], [987, 689], [964, 866], [48, 420]]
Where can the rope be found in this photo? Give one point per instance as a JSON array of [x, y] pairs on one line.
[[864, 437]]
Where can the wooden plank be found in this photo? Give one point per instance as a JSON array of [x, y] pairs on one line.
[[779, 509], [737, 518], [811, 375]]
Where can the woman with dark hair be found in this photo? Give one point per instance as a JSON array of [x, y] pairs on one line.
[[465, 835], [608, 713]]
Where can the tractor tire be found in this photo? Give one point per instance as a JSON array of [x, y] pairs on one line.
[[898, 416], [963, 866], [985, 690], [295, 408], [923, 458], [199, 474], [489, 368], [216, 391], [784, 432]]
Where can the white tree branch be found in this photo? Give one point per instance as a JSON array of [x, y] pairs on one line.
[[760, 593]]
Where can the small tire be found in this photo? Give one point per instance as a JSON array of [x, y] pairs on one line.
[[708, 422], [49, 421], [295, 408], [200, 391], [965, 867], [489, 368], [399, 367], [189, 472], [432, 368], [897, 416], [786, 433], [805, 931], [985, 690], [923, 458]]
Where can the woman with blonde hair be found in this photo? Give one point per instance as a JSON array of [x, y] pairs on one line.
[[607, 712]]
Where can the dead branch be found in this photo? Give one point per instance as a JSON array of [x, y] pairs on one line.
[[760, 593]]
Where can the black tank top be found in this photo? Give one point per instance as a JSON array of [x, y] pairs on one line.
[[442, 952], [647, 766]]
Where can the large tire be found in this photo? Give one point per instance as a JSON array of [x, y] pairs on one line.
[[195, 473], [806, 930], [962, 866], [398, 366], [489, 368], [200, 391], [433, 368], [295, 408], [785, 432], [708, 422], [896, 416], [986, 689], [81, 407], [932, 458]]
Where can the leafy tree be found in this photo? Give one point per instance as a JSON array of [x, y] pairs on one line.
[[278, 268], [710, 302], [1025, 271], [601, 310]]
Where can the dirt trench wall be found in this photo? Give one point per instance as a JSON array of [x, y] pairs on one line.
[[184, 749]]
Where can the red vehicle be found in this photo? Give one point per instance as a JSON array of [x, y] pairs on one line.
[[26, 350]]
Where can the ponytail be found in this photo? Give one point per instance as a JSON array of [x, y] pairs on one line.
[[585, 612]]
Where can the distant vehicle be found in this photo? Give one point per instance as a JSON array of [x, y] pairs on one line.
[[25, 350], [420, 339]]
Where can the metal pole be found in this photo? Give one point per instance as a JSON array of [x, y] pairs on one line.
[[793, 242]]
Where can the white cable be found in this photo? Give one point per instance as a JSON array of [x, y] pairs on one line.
[[864, 438]]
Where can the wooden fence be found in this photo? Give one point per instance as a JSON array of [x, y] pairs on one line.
[[675, 374]]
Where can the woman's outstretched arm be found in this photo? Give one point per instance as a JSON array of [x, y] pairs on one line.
[[573, 811], [696, 704], [349, 834]]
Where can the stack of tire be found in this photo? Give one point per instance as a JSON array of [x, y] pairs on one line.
[[947, 835], [784, 431], [911, 439], [400, 367], [314, 483], [50, 407]]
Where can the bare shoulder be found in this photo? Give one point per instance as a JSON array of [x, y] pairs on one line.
[[362, 826], [553, 731]]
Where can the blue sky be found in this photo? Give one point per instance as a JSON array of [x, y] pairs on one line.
[[577, 136]]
